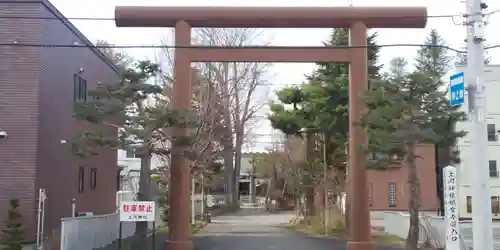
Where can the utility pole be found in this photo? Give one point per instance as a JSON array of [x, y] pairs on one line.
[[481, 203]]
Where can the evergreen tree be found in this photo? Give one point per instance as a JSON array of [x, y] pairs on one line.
[[397, 122], [433, 58], [12, 236], [321, 104], [143, 127], [407, 110], [435, 61]]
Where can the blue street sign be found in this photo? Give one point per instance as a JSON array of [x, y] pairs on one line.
[[457, 89]]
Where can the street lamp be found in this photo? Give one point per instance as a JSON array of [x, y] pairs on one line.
[[3, 134]]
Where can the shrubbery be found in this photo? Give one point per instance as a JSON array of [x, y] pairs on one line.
[[13, 235]]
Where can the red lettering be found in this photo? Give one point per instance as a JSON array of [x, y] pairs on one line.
[[134, 208], [126, 208], [149, 209], [141, 208]]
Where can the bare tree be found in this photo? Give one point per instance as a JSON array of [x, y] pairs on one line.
[[281, 166], [120, 58], [204, 105], [236, 86]]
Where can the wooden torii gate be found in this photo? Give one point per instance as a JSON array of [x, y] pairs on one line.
[[357, 19]]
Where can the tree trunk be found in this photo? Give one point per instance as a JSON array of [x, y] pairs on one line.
[[237, 164], [141, 228], [309, 187], [228, 170], [413, 201], [203, 196], [309, 194], [227, 140], [347, 212], [270, 185]]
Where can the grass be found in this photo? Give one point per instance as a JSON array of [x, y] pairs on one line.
[[336, 230], [387, 239]]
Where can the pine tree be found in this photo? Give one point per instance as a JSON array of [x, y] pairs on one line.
[[407, 110], [143, 127], [12, 236], [321, 104], [435, 61], [397, 122]]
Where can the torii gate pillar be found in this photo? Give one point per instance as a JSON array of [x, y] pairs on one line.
[[357, 19]]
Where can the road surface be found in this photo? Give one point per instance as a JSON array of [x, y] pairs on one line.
[[466, 233], [252, 228]]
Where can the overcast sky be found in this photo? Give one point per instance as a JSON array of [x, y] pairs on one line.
[[284, 74]]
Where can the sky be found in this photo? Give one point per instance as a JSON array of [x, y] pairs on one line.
[[282, 74]]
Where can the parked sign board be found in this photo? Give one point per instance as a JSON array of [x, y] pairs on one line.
[[137, 211]]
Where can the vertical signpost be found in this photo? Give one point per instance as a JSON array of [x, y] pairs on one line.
[[457, 89], [134, 211], [42, 196], [451, 208]]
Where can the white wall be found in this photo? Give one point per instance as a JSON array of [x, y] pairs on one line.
[[492, 84], [130, 172]]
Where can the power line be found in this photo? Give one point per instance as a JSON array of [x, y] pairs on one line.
[[113, 19], [77, 45]]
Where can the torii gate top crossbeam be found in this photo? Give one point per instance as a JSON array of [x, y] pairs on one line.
[[271, 17]]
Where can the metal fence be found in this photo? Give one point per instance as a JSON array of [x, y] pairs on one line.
[[91, 232]]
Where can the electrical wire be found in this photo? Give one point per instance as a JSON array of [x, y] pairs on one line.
[[112, 19], [18, 44]]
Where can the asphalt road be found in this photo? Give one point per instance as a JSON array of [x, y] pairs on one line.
[[252, 228]]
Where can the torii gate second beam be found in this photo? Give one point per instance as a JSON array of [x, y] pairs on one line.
[[357, 19]]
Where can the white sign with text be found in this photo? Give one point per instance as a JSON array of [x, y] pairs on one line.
[[450, 188], [137, 211]]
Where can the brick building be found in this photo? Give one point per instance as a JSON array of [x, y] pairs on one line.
[[389, 189], [38, 88]]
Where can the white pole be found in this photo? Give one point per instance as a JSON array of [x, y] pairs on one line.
[[193, 201], [73, 208], [451, 205], [44, 197], [481, 201], [38, 228]]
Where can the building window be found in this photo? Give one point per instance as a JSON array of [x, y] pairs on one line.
[[469, 204], [81, 179], [493, 169], [495, 206], [492, 133], [79, 88], [93, 178], [392, 194], [131, 153]]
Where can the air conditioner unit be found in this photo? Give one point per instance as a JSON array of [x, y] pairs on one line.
[[122, 196]]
